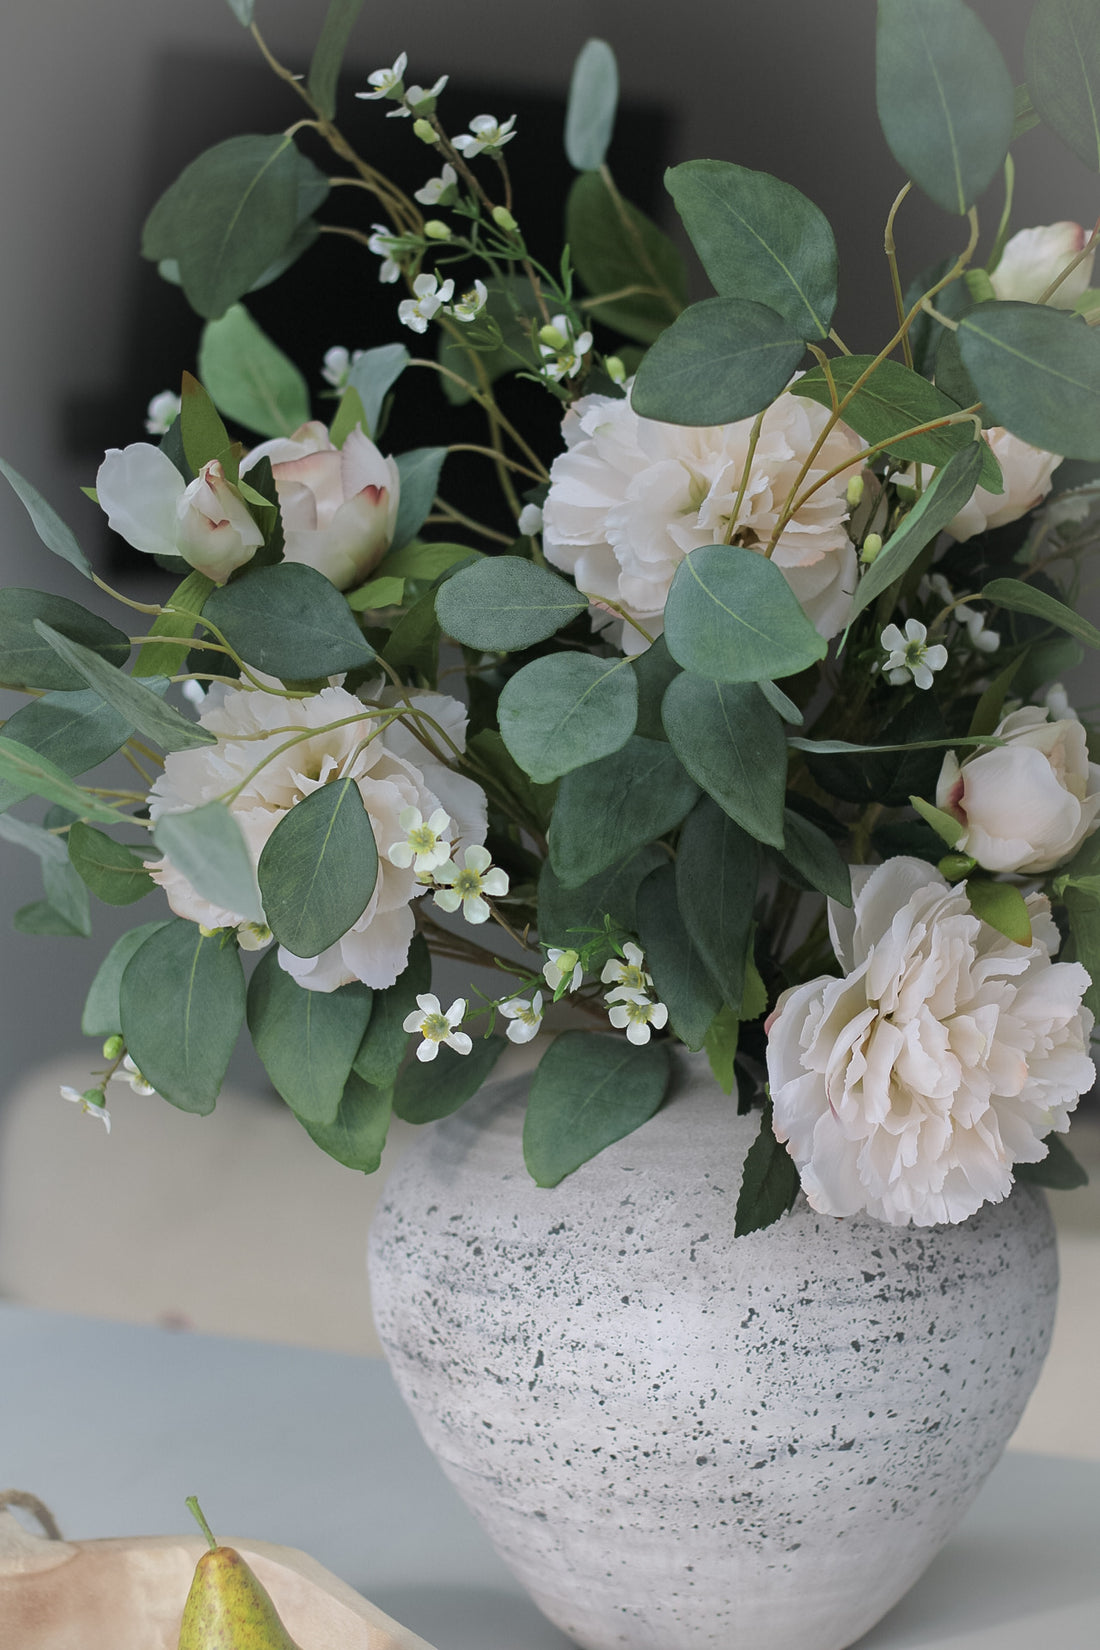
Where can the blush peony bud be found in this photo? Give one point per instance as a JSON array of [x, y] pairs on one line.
[[215, 532], [1026, 805], [338, 504], [151, 507], [1035, 257]]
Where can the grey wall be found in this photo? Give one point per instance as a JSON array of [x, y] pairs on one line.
[[787, 86]]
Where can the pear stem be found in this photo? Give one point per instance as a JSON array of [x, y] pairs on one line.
[[192, 1504]]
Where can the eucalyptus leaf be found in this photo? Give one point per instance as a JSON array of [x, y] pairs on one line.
[[102, 1016], [590, 112], [504, 603], [289, 621], [44, 918], [945, 98], [634, 272], [376, 593], [176, 625], [1062, 63], [1037, 370], [1018, 597], [566, 709], [205, 844], [374, 375], [47, 523], [201, 430], [28, 661], [938, 505], [318, 869], [307, 1040], [249, 378], [114, 873], [25, 773], [419, 470], [357, 1134], [182, 1002], [815, 858], [571, 917], [1059, 1170], [242, 10], [422, 560], [328, 54], [721, 360], [779, 701], [73, 731], [731, 742], [413, 646], [769, 1181], [588, 1091], [721, 1041], [141, 705], [654, 669], [717, 867], [759, 238], [383, 1047], [606, 809], [681, 979], [731, 616], [1083, 911], [429, 1089]]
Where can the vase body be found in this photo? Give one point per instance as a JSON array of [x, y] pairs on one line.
[[677, 1438]]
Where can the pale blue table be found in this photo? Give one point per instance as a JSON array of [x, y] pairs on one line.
[[113, 1425]]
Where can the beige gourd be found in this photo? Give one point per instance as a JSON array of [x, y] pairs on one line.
[[128, 1592]]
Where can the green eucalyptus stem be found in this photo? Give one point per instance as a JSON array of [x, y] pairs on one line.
[[963, 416], [890, 248]]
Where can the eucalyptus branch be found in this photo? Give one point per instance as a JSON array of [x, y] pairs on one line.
[[486, 401], [754, 437], [128, 601], [965, 415], [890, 248], [448, 513], [491, 452], [635, 236]]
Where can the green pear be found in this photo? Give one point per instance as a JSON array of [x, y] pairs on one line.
[[228, 1607]]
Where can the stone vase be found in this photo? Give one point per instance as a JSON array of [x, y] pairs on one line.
[[677, 1438]]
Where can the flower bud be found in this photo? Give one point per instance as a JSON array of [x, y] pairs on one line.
[[872, 544], [94, 1097], [425, 131], [854, 493], [504, 219], [956, 866], [214, 531], [552, 337], [113, 1047], [436, 230], [615, 369]]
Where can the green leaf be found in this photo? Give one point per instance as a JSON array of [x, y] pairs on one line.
[[307, 1040], [655, 669], [987, 712], [769, 1181], [242, 10], [73, 731], [566, 709], [47, 523], [895, 399], [113, 872], [249, 378], [26, 661], [230, 215], [588, 1091], [945, 825], [731, 742], [289, 621], [1018, 597], [382, 1050], [681, 979], [732, 616], [722, 1038], [419, 471], [717, 867], [350, 415], [615, 247], [413, 647], [721, 360], [532, 804], [570, 917], [177, 625], [503, 603], [328, 54], [65, 909], [590, 112], [780, 703], [358, 1134], [1059, 1170], [201, 430], [318, 869], [815, 858], [25, 773], [1083, 911], [606, 809], [41, 917], [429, 1089], [1062, 64], [102, 1015], [1002, 906], [938, 505], [843, 747], [374, 375], [945, 98], [139, 704], [376, 593], [759, 238], [182, 1004], [421, 560], [206, 845], [1037, 371]]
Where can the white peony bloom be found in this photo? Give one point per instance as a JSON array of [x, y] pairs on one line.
[[631, 497], [338, 504], [1035, 257], [1027, 473], [394, 772], [149, 504], [944, 1056], [1026, 805]]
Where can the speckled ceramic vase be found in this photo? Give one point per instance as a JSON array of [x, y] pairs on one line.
[[680, 1438]]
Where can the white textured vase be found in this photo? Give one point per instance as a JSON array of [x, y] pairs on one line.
[[676, 1437]]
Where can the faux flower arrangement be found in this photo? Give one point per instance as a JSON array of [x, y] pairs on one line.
[[749, 734]]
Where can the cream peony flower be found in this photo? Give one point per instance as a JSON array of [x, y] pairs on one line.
[[944, 1056], [394, 772], [338, 504], [1035, 257], [1027, 473], [631, 497], [1026, 805]]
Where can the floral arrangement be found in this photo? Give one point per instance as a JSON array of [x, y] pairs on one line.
[[749, 732]]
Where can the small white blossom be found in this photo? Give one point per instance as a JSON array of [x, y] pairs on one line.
[[561, 966], [381, 243], [486, 132], [386, 82], [194, 693], [563, 355], [465, 885], [415, 96], [530, 520], [637, 1015], [129, 1073], [981, 639], [908, 654], [435, 188], [435, 1027], [628, 976], [1057, 703], [338, 363], [425, 847], [471, 304], [162, 412], [524, 1016], [90, 1101], [415, 313]]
